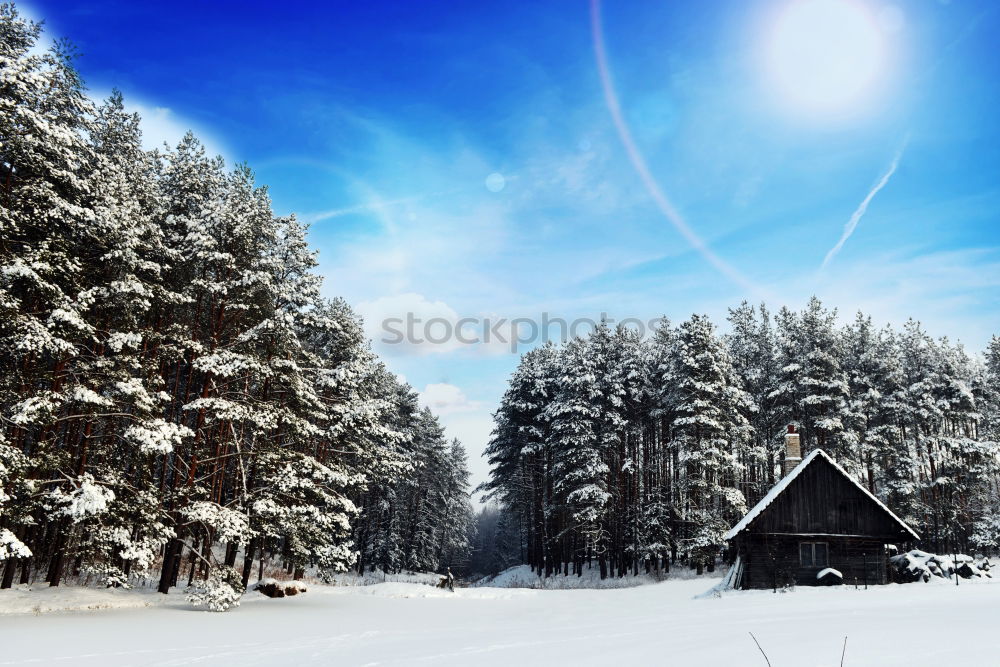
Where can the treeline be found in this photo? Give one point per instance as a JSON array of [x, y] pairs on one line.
[[175, 394], [633, 453]]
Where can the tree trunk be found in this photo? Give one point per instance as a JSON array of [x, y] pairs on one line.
[[170, 554], [8, 573], [192, 564], [248, 561], [58, 562]]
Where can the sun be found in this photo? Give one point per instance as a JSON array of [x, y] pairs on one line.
[[824, 56]]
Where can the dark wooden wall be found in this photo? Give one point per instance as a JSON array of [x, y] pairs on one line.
[[822, 500], [773, 561]]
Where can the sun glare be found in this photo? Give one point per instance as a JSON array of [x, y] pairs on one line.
[[824, 56]]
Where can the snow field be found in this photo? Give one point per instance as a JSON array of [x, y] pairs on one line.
[[401, 623]]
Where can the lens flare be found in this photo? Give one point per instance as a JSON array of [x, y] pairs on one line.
[[824, 56]]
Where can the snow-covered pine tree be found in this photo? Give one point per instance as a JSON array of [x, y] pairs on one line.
[[966, 465], [753, 349], [456, 515], [708, 428], [579, 473], [985, 502], [812, 387], [520, 453], [623, 410], [988, 392], [384, 460], [870, 364], [382, 525]]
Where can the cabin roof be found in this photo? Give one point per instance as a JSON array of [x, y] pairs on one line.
[[783, 483]]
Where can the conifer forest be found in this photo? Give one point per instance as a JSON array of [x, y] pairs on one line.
[[174, 390], [629, 454]]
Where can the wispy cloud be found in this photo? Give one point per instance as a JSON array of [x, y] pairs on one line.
[[852, 224], [952, 292]]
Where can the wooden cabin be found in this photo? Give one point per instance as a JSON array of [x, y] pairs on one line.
[[816, 526]]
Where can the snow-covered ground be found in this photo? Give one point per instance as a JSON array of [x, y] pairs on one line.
[[42, 599], [400, 623]]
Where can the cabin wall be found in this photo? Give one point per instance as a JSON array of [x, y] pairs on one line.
[[821, 500], [773, 561]]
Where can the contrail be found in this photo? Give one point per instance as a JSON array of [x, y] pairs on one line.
[[360, 208], [639, 163], [863, 206], [373, 206]]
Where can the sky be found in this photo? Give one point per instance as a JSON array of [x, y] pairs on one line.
[[509, 160]]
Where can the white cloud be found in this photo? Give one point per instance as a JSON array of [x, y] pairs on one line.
[[446, 399], [386, 320], [162, 125], [411, 324]]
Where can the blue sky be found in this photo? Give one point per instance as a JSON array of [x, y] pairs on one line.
[[381, 122]]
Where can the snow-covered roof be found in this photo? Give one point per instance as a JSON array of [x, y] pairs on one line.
[[787, 479]]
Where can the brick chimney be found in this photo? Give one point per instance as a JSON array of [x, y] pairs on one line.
[[793, 450]]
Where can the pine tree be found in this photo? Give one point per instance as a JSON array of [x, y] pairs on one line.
[[578, 470], [753, 350], [709, 428], [812, 387]]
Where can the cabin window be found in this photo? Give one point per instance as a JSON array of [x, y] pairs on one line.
[[813, 554]]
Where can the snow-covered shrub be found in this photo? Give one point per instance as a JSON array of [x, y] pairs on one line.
[[109, 576], [919, 565], [221, 591], [270, 587], [295, 587], [273, 588]]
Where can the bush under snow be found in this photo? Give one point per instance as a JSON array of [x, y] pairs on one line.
[[919, 565], [221, 591]]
